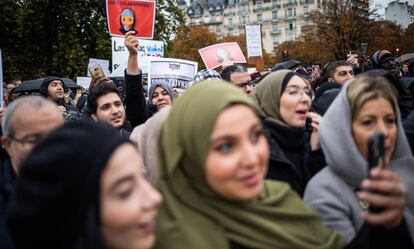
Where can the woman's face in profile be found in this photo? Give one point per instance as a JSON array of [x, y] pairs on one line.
[[237, 160], [295, 102], [128, 202], [376, 115]]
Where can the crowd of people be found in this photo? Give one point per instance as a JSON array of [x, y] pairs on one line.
[[276, 159]]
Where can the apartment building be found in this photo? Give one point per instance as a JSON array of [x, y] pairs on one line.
[[281, 20], [400, 12]]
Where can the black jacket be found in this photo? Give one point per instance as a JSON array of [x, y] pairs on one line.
[[137, 110], [325, 95], [291, 159], [408, 125], [7, 177]]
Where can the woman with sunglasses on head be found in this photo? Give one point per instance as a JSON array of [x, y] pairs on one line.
[[213, 162], [345, 191], [285, 101], [82, 187]]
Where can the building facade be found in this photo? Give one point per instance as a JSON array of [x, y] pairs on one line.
[[281, 20], [401, 13]]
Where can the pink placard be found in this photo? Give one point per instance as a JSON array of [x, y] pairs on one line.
[[131, 15], [215, 55]]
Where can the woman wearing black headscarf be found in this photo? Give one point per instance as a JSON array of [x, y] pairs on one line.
[[82, 187], [284, 98]]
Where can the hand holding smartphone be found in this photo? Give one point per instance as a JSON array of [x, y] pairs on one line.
[[96, 71], [376, 151]]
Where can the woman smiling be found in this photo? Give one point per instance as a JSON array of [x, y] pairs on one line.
[[213, 160]]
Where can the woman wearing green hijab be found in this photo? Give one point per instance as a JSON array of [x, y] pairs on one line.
[[284, 99], [213, 159]]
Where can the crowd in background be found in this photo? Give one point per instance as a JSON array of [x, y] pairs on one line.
[[275, 159]]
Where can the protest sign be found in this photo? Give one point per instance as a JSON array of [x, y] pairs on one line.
[[131, 15], [103, 63], [1, 80], [147, 49], [83, 81], [176, 73], [253, 41], [215, 55]]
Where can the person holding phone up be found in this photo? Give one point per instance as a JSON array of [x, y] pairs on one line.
[[345, 192]]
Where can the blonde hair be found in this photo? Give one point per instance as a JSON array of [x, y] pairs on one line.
[[365, 88]]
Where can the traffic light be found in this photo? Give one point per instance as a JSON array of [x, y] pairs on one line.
[[397, 52], [285, 55]]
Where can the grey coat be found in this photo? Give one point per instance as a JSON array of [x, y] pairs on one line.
[[331, 193]]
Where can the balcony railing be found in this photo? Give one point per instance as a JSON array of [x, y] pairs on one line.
[[290, 30], [292, 3]]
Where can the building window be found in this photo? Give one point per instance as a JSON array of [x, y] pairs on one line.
[[243, 9], [306, 10], [218, 29], [275, 39], [230, 21], [244, 19], [275, 28], [274, 15], [231, 32], [294, 11], [259, 5], [259, 18], [289, 12]]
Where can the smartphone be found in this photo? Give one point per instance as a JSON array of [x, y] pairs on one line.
[[376, 151], [96, 71]]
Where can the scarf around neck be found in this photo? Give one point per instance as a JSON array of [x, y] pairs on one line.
[[193, 216]]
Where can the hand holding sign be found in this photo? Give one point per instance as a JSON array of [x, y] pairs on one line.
[[131, 42]]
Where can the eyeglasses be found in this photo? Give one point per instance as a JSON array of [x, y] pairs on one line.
[[28, 140], [245, 84], [298, 91]]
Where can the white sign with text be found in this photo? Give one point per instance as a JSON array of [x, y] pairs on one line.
[[147, 49], [254, 40]]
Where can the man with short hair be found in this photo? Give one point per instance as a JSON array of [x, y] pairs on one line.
[[238, 76], [105, 104], [340, 72], [404, 70], [26, 121]]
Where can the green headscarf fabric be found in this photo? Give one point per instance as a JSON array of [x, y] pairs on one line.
[[267, 95], [193, 216]]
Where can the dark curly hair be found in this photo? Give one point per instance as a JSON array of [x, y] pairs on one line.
[[98, 91]]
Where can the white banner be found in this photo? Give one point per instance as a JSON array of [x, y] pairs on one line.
[[176, 73], [103, 63], [1, 80], [253, 41], [147, 49], [83, 81]]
